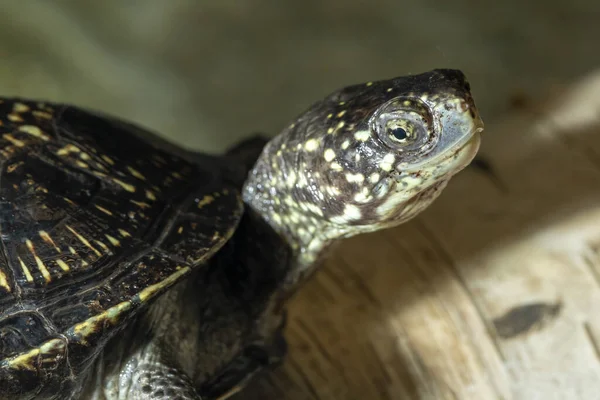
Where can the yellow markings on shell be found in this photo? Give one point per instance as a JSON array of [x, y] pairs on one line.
[[63, 265], [15, 118], [104, 247], [140, 204], [206, 200], [72, 250], [27, 360], [151, 290], [86, 156], [150, 195], [124, 233], [340, 125], [341, 103], [4, 281], [13, 140], [362, 136], [69, 148], [176, 175], [355, 178], [346, 144], [336, 166], [81, 164], [389, 89], [25, 270], [276, 218], [34, 131], [387, 162], [12, 167], [136, 173], [330, 131], [20, 107], [114, 241], [91, 325], [126, 186], [48, 239], [84, 241], [329, 155], [104, 210], [180, 230], [374, 178], [369, 83], [107, 159], [341, 113], [41, 114], [311, 145], [40, 264]]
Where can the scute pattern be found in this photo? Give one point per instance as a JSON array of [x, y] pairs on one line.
[[96, 219]]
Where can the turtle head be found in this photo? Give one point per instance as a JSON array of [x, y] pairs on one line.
[[366, 157]]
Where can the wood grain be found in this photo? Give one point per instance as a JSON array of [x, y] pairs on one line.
[[492, 293]]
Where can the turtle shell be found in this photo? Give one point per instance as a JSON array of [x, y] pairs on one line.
[[97, 218]]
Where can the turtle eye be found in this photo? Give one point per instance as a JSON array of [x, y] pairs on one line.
[[400, 131]]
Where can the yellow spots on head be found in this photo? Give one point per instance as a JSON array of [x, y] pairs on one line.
[[104, 210], [329, 155], [136, 173], [346, 144], [126, 186], [48, 239], [86, 156], [72, 250], [362, 136], [4, 281], [40, 264], [180, 230], [151, 290], [15, 117], [115, 242], [387, 162], [69, 148], [336, 166], [276, 218], [107, 159], [150, 195], [341, 113], [355, 178], [206, 200], [34, 131], [124, 233], [369, 84], [311, 145], [329, 116], [13, 140], [25, 270], [340, 125], [351, 213], [341, 103], [374, 178], [332, 191], [330, 131], [389, 89], [41, 114], [290, 179], [140, 204], [63, 265], [362, 196], [20, 107], [83, 240]]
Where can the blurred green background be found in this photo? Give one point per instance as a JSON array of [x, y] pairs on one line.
[[205, 73]]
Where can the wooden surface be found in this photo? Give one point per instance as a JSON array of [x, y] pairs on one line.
[[492, 293]]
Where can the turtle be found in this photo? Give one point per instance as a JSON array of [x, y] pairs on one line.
[[135, 268]]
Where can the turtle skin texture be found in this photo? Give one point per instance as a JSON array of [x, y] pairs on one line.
[[95, 224]]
